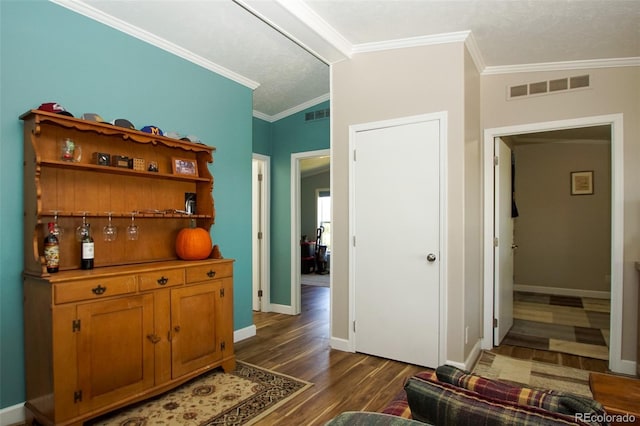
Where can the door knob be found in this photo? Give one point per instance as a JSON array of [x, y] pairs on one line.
[[514, 246], [431, 257]]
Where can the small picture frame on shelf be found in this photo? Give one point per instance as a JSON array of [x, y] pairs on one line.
[[184, 166]]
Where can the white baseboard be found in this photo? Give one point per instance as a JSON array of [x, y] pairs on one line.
[[625, 366], [244, 333], [340, 344], [12, 415], [471, 359], [559, 291], [282, 309]]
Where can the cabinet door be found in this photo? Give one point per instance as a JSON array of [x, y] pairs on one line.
[[115, 357], [195, 342]]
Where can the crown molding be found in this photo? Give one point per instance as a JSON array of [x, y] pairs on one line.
[[474, 51], [99, 16], [401, 43], [262, 116], [291, 111], [559, 66]]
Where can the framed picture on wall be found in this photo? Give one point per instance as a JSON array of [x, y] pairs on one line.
[[582, 183]]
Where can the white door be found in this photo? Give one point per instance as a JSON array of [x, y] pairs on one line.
[[503, 252], [396, 255]]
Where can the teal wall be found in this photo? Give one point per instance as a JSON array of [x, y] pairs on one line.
[[289, 135], [262, 136], [49, 53]]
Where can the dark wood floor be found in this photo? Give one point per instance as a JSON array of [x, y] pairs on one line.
[[299, 346]]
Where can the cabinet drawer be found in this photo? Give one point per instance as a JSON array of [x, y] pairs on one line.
[[94, 288], [160, 279], [209, 272]]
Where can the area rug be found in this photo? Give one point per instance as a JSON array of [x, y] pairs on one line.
[[533, 374], [573, 325], [241, 397]]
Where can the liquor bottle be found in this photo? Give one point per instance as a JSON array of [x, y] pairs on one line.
[[86, 251], [52, 250]]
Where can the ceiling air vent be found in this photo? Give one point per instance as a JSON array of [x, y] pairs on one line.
[[317, 115], [547, 87]]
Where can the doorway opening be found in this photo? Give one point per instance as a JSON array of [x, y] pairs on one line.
[[310, 171], [613, 125]]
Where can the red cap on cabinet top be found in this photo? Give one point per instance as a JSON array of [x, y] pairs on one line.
[[55, 108]]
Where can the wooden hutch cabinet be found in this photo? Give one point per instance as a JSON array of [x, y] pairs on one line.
[[142, 321]]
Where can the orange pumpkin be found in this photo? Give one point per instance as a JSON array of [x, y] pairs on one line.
[[193, 243]]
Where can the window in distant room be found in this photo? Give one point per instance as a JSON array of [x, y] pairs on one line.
[[324, 216]]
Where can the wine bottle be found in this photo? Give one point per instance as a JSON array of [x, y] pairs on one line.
[[52, 250], [86, 251]]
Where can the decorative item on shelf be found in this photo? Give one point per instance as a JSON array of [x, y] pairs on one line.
[[133, 231], [154, 130], [110, 231], [70, 151], [87, 249], [52, 250], [55, 108], [153, 166], [190, 202], [92, 116], [193, 243], [83, 229], [215, 253], [120, 161], [123, 122], [57, 229], [101, 159], [136, 164], [184, 166]]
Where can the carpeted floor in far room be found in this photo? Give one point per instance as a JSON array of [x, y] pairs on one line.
[[573, 325]]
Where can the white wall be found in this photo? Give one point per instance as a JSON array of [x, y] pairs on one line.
[[405, 82]]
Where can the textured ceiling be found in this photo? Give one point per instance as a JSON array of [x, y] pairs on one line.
[[229, 35]]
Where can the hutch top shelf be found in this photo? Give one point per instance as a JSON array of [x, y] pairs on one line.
[[96, 186]]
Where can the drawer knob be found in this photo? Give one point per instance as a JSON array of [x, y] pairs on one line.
[[211, 273], [163, 280], [99, 290]]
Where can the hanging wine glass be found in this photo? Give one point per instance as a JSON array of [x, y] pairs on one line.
[[133, 230], [57, 230], [82, 231], [110, 231]]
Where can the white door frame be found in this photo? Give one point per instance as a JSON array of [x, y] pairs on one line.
[[353, 129], [261, 248], [617, 222], [296, 227]]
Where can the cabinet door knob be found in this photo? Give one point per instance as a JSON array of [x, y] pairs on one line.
[[154, 338], [99, 290], [163, 280], [211, 273], [176, 328]]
